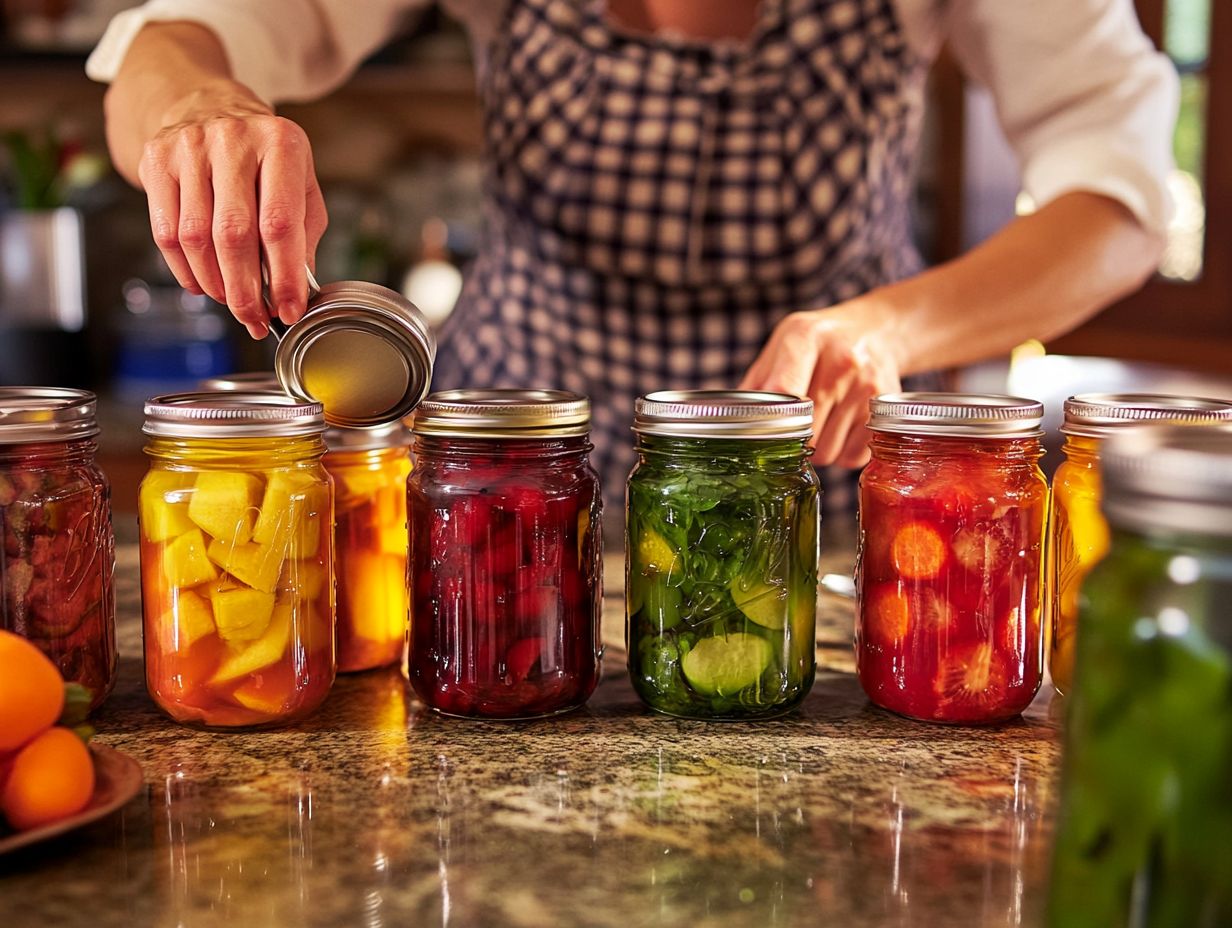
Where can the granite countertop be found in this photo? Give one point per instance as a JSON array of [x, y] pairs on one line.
[[375, 812]]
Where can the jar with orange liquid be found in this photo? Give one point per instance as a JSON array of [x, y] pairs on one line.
[[1079, 533], [370, 468], [236, 516], [950, 565]]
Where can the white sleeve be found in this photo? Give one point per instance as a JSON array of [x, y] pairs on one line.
[[1084, 99], [281, 49]]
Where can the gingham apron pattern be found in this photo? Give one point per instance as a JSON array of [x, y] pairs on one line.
[[656, 205]]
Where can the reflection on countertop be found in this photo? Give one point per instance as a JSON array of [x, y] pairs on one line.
[[375, 812]]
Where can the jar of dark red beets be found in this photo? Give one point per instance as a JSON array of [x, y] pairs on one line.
[[505, 554]]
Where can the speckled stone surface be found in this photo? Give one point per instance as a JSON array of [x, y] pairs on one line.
[[375, 812]]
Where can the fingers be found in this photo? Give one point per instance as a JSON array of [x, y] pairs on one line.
[[283, 192], [235, 230], [163, 198], [787, 362]]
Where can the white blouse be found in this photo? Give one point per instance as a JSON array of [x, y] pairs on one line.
[[1084, 99]]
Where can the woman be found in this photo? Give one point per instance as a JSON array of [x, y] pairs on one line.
[[681, 193]]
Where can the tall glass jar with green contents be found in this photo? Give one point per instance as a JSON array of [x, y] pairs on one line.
[[1079, 532], [722, 548], [1146, 802]]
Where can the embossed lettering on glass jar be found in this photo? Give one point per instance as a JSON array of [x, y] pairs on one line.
[[721, 554], [58, 560], [1079, 532], [950, 565], [1145, 808], [236, 518], [506, 554]]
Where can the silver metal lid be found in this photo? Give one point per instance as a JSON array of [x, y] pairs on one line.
[[231, 415], [31, 414], [361, 350], [1172, 477], [393, 435], [503, 414], [252, 381], [1097, 415], [728, 414], [966, 415]]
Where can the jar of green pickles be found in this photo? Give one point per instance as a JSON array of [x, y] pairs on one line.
[[1146, 804], [722, 548], [1079, 532]]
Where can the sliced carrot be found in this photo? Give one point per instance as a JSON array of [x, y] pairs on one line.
[[917, 551], [887, 615]]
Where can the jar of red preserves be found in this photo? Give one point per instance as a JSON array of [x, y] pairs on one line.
[[58, 560], [953, 508], [505, 554]]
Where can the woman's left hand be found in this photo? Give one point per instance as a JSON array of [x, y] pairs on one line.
[[839, 358]]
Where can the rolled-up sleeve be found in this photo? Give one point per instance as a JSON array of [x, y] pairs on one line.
[[1083, 97], [284, 50]]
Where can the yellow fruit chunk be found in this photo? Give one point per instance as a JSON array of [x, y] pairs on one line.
[[304, 580], [390, 512], [185, 562], [188, 621], [261, 653], [760, 602], [251, 696], [241, 614], [374, 586], [285, 502], [254, 565], [224, 504], [162, 504], [655, 553]]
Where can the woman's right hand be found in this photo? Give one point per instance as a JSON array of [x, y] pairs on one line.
[[227, 180]]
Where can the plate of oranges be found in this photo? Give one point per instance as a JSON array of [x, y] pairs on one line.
[[52, 779]]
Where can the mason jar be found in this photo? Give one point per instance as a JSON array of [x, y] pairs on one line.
[[236, 517], [721, 554], [1079, 532], [1146, 808], [58, 561], [505, 554], [370, 469], [950, 560]]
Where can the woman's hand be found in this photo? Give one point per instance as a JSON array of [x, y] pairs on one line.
[[839, 358], [226, 179]]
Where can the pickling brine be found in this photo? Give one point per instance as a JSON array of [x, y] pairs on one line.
[[953, 508], [722, 548]]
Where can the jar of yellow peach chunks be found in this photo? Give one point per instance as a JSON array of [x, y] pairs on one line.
[[236, 518], [1079, 532], [370, 467]]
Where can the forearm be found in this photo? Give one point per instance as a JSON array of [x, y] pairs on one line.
[[1039, 277], [167, 66]]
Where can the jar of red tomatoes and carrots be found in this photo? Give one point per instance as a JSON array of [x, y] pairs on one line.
[[505, 554], [953, 509], [58, 560], [236, 519]]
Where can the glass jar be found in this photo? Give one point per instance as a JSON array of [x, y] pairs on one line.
[[58, 561], [236, 518], [370, 468], [505, 554], [1079, 532], [721, 554], [1146, 796], [949, 567]]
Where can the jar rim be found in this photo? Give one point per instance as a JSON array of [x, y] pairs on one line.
[[1097, 415], [964, 415], [243, 382], [231, 415], [41, 414], [503, 413], [723, 414]]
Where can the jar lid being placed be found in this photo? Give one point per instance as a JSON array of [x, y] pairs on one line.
[[1096, 415], [364, 352], [231, 415], [963, 415], [728, 414], [250, 382], [1172, 477], [503, 414], [30, 414], [393, 435]]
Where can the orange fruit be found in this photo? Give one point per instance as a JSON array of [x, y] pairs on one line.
[[52, 778], [887, 615], [31, 691], [917, 551]]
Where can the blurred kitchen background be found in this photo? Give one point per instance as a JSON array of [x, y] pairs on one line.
[[85, 299]]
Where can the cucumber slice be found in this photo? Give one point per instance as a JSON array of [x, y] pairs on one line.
[[761, 602], [724, 665], [655, 552]]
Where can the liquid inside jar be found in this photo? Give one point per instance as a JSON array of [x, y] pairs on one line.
[[949, 571], [506, 566]]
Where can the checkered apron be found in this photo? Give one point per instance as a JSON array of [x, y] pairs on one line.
[[655, 205]]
